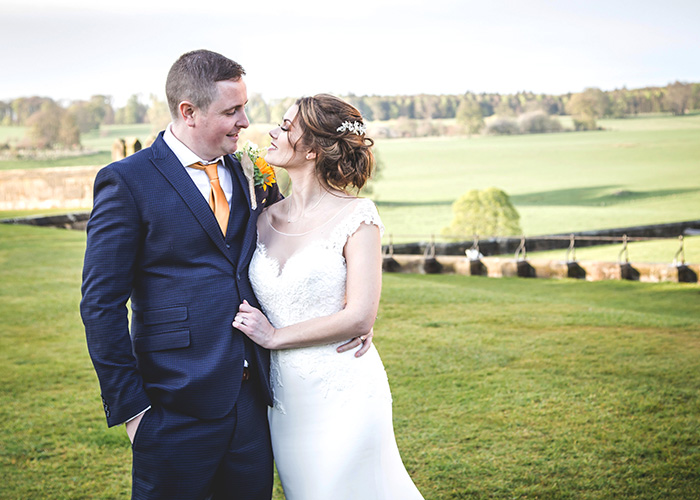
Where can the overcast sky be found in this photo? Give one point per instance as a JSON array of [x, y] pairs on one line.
[[72, 49]]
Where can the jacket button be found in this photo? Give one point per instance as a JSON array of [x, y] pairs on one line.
[[228, 246]]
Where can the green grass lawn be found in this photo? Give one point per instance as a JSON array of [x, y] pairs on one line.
[[11, 214], [638, 171], [102, 140], [503, 388], [11, 135]]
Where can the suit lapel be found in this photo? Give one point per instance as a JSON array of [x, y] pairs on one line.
[[171, 168], [250, 235]]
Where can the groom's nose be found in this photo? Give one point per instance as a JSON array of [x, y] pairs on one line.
[[243, 122]]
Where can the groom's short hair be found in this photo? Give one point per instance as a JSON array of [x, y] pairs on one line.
[[193, 78]]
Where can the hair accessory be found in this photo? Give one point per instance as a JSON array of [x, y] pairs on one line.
[[354, 127]]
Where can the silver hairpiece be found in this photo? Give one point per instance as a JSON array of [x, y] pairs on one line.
[[354, 127]]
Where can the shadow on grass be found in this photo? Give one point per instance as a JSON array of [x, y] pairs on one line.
[[399, 204], [594, 195]]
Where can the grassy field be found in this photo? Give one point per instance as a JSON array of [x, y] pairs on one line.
[[638, 171], [503, 388], [642, 170], [97, 144], [11, 135]]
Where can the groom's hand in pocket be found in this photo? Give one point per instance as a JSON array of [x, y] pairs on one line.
[[132, 425]]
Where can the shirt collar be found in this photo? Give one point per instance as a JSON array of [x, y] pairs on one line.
[[186, 156]]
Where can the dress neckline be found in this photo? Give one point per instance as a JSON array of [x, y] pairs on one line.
[[269, 222]]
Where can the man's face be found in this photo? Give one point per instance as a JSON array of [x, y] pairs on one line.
[[216, 129]]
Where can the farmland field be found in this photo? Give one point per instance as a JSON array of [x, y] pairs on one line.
[[638, 171], [97, 146]]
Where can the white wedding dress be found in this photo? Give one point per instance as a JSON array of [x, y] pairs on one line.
[[331, 424]]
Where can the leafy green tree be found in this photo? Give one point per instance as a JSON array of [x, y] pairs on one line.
[[158, 114], [101, 106], [470, 116], [25, 107], [279, 107], [696, 96], [85, 118], [426, 106], [586, 107], [133, 112], [381, 109], [89, 115], [52, 126], [5, 113], [538, 122], [486, 107], [486, 212], [257, 109], [360, 102], [69, 132]]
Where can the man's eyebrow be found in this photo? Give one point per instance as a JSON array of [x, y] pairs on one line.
[[236, 107]]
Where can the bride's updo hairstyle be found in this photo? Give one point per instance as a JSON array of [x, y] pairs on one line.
[[334, 130]]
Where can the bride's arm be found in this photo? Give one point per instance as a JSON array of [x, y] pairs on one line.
[[363, 288]]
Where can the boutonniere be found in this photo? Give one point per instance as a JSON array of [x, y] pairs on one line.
[[257, 171]]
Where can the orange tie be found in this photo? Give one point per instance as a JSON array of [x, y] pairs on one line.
[[217, 198]]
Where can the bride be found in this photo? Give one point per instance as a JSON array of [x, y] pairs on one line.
[[317, 274]]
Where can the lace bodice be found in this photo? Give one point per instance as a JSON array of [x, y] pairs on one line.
[[310, 283]]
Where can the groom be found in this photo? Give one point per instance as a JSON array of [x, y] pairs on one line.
[[192, 390]]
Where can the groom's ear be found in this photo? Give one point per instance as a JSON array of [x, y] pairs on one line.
[[187, 112]]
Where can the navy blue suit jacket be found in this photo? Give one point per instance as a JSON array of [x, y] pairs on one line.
[[153, 239]]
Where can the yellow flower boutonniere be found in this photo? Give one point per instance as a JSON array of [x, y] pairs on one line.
[[256, 169]]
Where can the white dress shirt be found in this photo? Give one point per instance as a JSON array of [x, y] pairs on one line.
[[199, 177]]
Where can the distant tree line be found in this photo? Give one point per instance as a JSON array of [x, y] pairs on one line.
[[54, 124]]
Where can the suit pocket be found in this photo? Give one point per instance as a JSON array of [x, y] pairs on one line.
[[165, 315], [141, 429], [174, 339]]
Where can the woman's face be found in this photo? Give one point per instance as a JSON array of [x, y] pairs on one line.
[[281, 151]]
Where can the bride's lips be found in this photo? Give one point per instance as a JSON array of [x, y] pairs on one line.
[[272, 147]]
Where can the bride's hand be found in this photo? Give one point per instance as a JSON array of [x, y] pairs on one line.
[[363, 341], [255, 325]]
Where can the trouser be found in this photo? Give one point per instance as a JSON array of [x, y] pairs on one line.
[[177, 456]]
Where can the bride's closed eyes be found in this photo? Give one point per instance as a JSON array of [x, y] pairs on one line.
[[284, 126]]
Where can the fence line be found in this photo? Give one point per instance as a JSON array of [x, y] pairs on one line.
[[473, 253]]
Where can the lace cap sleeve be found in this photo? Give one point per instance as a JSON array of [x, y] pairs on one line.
[[363, 211]]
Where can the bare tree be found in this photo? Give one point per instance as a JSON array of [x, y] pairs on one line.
[[677, 98]]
